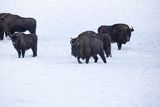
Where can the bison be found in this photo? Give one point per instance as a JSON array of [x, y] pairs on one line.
[[23, 42], [14, 23], [120, 33], [106, 39], [85, 47]]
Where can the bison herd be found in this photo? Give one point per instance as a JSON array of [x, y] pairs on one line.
[[87, 44], [90, 44], [10, 24]]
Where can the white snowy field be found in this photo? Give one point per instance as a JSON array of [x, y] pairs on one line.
[[131, 78]]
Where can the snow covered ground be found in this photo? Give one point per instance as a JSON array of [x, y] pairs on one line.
[[131, 78]]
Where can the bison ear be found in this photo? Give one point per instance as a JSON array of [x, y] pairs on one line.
[[71, 41]]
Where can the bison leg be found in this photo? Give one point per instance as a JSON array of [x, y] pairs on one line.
[[6, 34], [1, 35], [78, 58], [102, 56], [87, 60], [95, 59], [23, 53], [108, 52], [1, 38], [119, 45], [19, 53], [34, 50]]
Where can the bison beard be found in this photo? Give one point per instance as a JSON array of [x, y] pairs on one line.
[[23, 42]]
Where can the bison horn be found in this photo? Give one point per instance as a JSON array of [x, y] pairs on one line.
[[132, 28], [71, 41]]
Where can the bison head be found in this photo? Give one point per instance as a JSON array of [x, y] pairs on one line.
[[75, 49], [129, 31], [14, 38]]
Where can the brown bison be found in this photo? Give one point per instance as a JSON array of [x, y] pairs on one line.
[[85, 47], [23, 42], [14, 23], [120, 33], [106, 39]]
